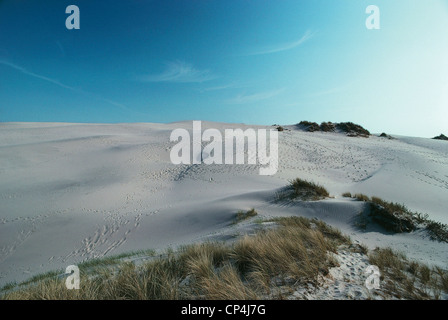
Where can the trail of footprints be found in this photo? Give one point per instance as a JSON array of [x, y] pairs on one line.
[[301, 153], [118, 225], [345, 157], [29, 225], [431, 179], [346, 281]]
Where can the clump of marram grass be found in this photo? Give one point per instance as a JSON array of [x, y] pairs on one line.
[[303, 190], [272, 264], [361, 197], [309, 126], [347, 195], [437, 230], [295, 252], [280, 128], [441, 137], [8, 286], [41, 277], [306, 189], [392, 216], [227, 284], [327, 126], [405, 279], [352, 129], [243, 215], [397, 218]]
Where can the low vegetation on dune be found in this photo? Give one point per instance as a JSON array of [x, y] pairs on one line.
[[291, 260], [397, 218], [353, 129], [327, 126], [385, 135], [243, 215], [288, 257], [349, 128], [402, 278], [302, 190], [280, 128], [267, 265], [309, 126], [441, 137]]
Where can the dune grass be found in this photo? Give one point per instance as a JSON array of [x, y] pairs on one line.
[[397, 218], [298, 252], [441, 137], [406, 279], [271, 264], [303, 190], [255, 267], [350, 128], [88, 267], [279, 127], [361, 197], [244, 215], [309, 126], [353, 129]]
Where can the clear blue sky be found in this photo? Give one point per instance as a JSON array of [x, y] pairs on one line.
[[257, 62]]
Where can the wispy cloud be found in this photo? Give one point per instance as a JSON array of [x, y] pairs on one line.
[[62, 85], [283, 46], [181, 72], [255, 97], [35, 75], [217, 88], [229, 85]]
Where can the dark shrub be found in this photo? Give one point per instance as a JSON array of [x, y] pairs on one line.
[[384, 135], [441, 137], [327, 126], [352, 129], [390, 220], [309, 126]]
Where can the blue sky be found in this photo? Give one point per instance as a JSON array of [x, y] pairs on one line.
[[255, 62]]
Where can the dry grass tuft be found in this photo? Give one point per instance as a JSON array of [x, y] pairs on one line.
[[241, 215], [296, 252], [361, 197], [397, 218], [406, 279], [305, 190], [271, 264]]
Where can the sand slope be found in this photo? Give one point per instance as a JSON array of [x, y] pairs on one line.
[[70, 192]]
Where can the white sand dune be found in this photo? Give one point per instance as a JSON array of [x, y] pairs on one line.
[[71, 192]]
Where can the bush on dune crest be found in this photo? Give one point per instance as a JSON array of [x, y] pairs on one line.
[[350, 128], [441, 137], [309, 126]]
